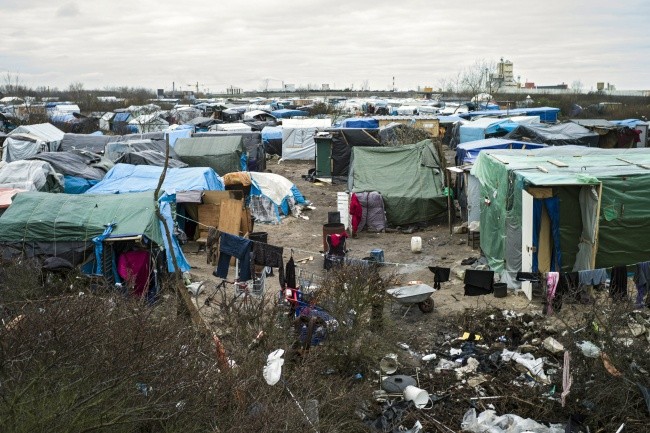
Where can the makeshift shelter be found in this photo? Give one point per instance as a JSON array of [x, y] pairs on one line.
[[106, 121], [89, 142], [223, 154], [147, 123], [546, 114], [561, 134], [467, 185], [410, 178], [286, 113], [639, 125], [28, 140], [88, 228], [182, 115], [360, 122], [256, 156], [272, 196], [258, 115], [610, 134], [125, 178], [565, 208], [202, 123], [149, 157], [333, 151], [298, 137], [232, 127], [121, 121], [30, 176], [115, 150], [272, 140], [80, 169]]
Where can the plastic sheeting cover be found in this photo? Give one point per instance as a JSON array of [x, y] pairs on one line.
[[408, 177], [125, 178], [30, 176]]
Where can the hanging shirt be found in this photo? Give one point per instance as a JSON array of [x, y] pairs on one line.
[[269, 255]]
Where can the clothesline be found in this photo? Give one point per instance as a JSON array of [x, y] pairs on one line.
[[313, 253]]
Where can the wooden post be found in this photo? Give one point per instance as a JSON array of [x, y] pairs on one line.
[[449, 201]]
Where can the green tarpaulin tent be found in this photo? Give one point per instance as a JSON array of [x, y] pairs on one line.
[[44, 217], [224, 154], [410, 178]]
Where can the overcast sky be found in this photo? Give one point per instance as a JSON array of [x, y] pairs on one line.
[[219, 43]]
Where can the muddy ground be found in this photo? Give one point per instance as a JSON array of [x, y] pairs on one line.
[[439, 248]]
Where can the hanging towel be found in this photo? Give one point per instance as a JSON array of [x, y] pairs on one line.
[[552, 278]]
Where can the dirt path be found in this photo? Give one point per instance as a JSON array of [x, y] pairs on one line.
[[439, 248]]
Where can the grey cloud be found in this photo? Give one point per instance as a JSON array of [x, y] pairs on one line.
[[68, 10]]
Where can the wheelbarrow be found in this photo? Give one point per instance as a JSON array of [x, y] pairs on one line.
[[417, 294]]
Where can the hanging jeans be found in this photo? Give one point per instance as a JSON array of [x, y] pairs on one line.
[[234, 246]]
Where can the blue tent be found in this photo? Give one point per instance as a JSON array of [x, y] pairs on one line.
[[479, 129], [135, 178], [286, 113], [546, 114], [467, 153], [360, 122]]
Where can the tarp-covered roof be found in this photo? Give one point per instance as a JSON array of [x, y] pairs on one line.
[[546, 114], [125, 178], [30, 176], [409, 178], [286, 113], [44, 217], [360, 122], [468, 152], [86, 165], [41, 131], [116, 149], [149, 157], [555, 135], [222, 153]]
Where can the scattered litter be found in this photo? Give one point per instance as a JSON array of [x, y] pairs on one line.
[[195, 288], [535, 366], [552, 345], [470, 367], [429, 357], [589, 349], [488, 421]]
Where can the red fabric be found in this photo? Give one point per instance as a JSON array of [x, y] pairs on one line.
[[133, 267], [356, 211], [336, 239]]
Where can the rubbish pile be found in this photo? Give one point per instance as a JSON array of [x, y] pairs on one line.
[[502, 371]]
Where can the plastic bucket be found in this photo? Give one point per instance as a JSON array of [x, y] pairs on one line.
[[500, 290], [331, 229], [418, 396]]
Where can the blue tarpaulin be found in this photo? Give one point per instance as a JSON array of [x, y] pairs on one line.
[[135, 178], [286, 113], [183, 131], [467, 153], [360, 122], [546, 114]]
